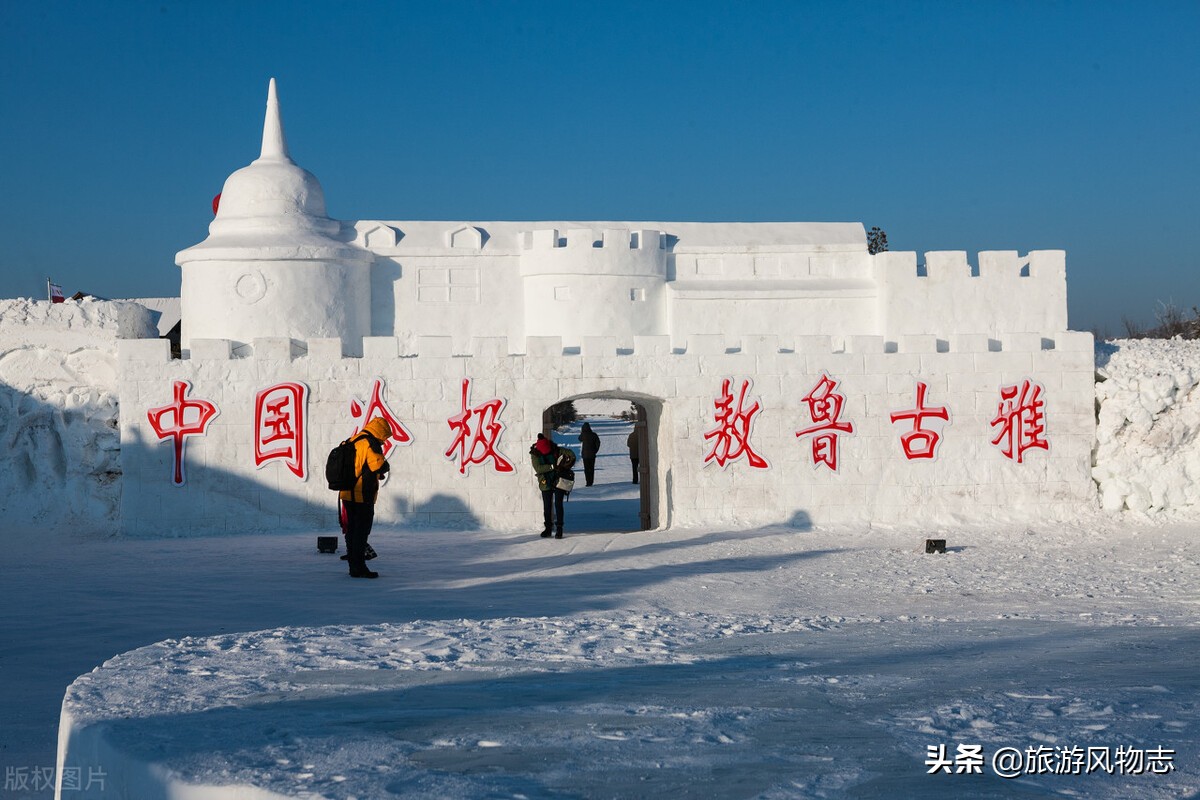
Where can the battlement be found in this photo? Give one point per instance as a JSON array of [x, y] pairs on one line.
[[281, 350], [587, 253], [1005, 292], [1048, 265], [582, 238]]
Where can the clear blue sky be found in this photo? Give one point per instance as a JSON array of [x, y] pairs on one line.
[[951, 125]]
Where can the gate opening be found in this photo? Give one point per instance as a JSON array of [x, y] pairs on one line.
[[623, 467]]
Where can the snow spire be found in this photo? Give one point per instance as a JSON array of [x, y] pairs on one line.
[[274, 145]]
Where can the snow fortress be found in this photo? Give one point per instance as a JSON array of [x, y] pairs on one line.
[[779, 370]]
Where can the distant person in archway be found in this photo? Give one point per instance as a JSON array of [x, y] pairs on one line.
[[633, 452], [549, 462], [591, 446]]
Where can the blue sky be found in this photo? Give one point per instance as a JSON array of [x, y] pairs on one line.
[[951, 125]]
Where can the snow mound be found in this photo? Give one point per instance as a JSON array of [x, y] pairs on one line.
[[60, 460], [1147, 453]]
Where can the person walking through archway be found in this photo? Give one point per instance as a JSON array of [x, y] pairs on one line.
[[589, 448]]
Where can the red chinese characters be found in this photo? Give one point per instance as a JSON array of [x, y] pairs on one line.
[[825, 407], [477, 430], [279, 426], [731, 437], [180, 419], [921, 442], [1021, 418], [378, 407]]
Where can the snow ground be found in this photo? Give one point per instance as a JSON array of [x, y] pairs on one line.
[[776, 662]]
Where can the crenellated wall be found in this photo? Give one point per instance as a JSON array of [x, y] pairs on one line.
[[680, 386], [1006, 292], [517, 279]]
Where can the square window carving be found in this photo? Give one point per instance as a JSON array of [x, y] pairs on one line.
[[454, 285], [433, 294]]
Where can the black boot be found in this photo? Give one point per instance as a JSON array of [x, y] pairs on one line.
[[558, 534], [546, 533]]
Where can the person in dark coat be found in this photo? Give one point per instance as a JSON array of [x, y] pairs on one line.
[[544, 455], [591, 446]]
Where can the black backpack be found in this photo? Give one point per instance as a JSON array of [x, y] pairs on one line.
[[339, 467]]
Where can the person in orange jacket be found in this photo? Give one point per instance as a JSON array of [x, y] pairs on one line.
[[359, 503]]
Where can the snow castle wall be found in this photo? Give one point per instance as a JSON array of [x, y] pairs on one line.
[[683, 389], [62, 463]]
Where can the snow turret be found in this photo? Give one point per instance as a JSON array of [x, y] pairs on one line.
[[611, 283], [272, 265]]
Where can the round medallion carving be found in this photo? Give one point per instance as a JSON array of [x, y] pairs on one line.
[[251, 287]]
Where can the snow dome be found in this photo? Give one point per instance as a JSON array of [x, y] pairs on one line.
[[272, 264], [272, 191]]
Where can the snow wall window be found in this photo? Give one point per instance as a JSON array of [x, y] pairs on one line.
[[448, 285]]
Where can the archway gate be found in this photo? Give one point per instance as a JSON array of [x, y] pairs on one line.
[[644, 444]]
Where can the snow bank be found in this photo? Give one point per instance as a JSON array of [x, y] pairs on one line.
[[60, 462], [1147, 455]]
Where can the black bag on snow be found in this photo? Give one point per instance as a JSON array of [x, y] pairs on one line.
[[339, 467]]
